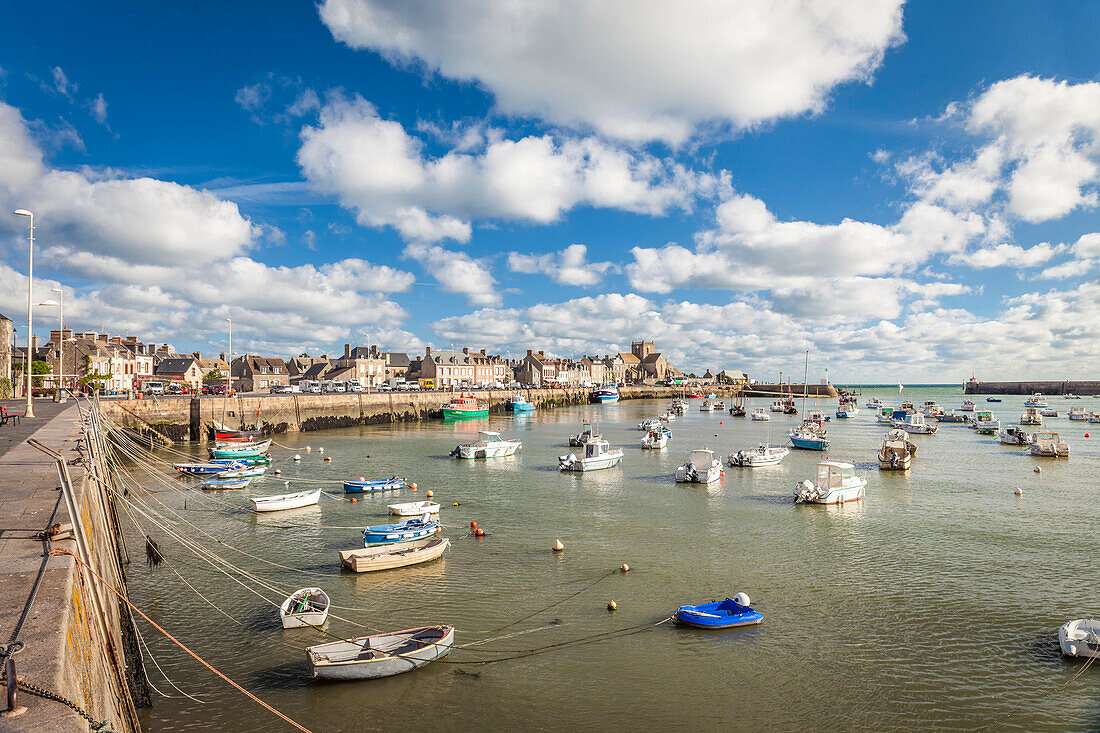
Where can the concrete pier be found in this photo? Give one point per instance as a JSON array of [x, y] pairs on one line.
[[70, 647], [1087, 387]]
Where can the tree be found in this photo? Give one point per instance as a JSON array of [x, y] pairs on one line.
[[92, 377], [214, 374]]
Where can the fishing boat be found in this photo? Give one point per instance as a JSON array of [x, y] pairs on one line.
[[914, 424], [968, 405], [1094, 417], [1078, 412], [582, 438], [655, 439], [1048, 412], [669, 416], [809, 436], [1080, 638], [988, 428], [896, 453], [738, 411], [950, 417], [758, 413], [650, 423], [706, 406], [680, 406], [285, 501], [885, 415], [464, 406], [411, 529], [817, 417], [930, 408], [304, 607], [260, 446], [520, 403], [1031, 416], [491, 445], [197, 469], [362, 486], [240, 436], [846, 410], [226, 483], [993, 399], [597, 455], [701, 468], [980, 417], [1048, 445], [764, 455], [381, 655], [695, 395], [719, 405], [907, 406], [390, 557], [414, 508], [874, 404], [727, 614], [606, 394], [1013, 435], [835, 483], [778, 405], [1036, 400], [246, 472]]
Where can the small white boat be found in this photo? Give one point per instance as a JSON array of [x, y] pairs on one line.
[[1013, 435], [414, 508], [778, 406], [835, 483], [915, 424], [1094, 417], [1031, 416], [381, 655], [1048, 445], [706, 406], [390, 557], [885, 415], [656, 438], [229, 483], [1080, 638], [650, 423], [930, 409], [669, 416], [874, 404], [719, 405], [248, 472], [680, 406], [1048, 412], [1078, 412], [764, 455], [817, 417], [967, 406], [491, 445], [285, 501], [1035, 400], [897, 452], [701, 468], [597, 455], [582, 438], [304, 607], [253, 446], [1071, 396], [759, 413]]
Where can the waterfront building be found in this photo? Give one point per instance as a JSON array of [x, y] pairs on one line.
[[259, 373], [184, 370], [364, 363]]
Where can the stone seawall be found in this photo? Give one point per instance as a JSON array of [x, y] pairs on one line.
[[1048, 388], [182, 419]]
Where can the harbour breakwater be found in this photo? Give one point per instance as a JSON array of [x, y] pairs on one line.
[[1026, 388], [186, 420]]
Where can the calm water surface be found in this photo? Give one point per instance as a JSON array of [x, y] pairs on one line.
[[934, 603]]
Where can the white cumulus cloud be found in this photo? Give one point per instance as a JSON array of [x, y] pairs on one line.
[[568, 267]]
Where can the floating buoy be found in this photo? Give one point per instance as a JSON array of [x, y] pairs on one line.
[[742, 598], [413, 486], [429, 493], [308, 449], [278, 471], [480, 532], [455, 504], [297, 457], [362, 479], [1086, 435], [557, 546], [473, 525], [286, 483], [321, 449], [1018, 491], [722, 474], [1038, 470], [611, 605], [624, 568], [720, 422], [354, 500], [328, 458]]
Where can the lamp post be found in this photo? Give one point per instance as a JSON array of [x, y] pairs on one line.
[[229, 387], [60, 338], [29, 412]]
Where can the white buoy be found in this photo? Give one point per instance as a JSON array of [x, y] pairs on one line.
[[742, 598], [1018, 491], [362, 479], [557, 546], [309, 449], [1038, 470], [278, 471], [624, 568], [286, 483], [611, 606], [321, 449], [297, 457]]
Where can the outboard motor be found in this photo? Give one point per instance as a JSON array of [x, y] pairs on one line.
[[894, 460]]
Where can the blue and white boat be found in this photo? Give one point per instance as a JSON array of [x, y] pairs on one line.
[[847, 410], [605, 394], [196, 469], [835, 483], [808, 436], [727, 614], [246, 472], [993, 399], [519, 403], [407, 531], [366, 487], [226, 483]]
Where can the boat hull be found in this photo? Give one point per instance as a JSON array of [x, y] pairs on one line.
[[369, 487], [499, 450], [285, 501], [1080, 638], [450, 413], [368, 666], [393, 536], [414, 508], [722, 615], [584, 465], [391, 557], [810, 443], [317, 616]]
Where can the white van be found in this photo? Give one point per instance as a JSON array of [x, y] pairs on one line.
[[154, 388]]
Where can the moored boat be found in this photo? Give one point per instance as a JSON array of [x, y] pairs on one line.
[[464, 406], [914, 423], [227, 483], [896, 453], [706, 406], [727, 614], [874, 404], [304, 607], [1080, 638], [764, 455], [1036, 400], [491, 445], [582, 438], [606, 394], [1048, 412], [414, 508], [885, 415], [198, 469], [835, 483], [597, 455], [1048, 445], [1031, 416], [950, 417], [280, 502], [758, 413], [968, 405], [244, 472], [701, 468], [655, 439], [993, 399], [410, 529], [650, 423], [241, 436], [362, 486], [520, 403], [846, 410], [391, 557], [808, 436], [1078, 412], [380, 655], [1013, 435]]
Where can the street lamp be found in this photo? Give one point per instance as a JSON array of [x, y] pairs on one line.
[[229, 387], [29, 412], [60, 303]]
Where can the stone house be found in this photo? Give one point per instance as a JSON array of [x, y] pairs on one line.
[[365, 364], [180, 369], [259, 373]]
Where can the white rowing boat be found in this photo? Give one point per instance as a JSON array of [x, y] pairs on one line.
[[389, 557], [285, 501], [304, 607], [414, 508], [381, 655]]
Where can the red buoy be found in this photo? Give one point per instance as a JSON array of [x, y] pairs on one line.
[[1086, 435], [473, 525], [354, 500], [480, 533]]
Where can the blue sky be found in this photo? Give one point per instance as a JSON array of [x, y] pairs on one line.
[[908, 191]]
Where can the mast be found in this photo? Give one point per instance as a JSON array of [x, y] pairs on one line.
[[805, 383]]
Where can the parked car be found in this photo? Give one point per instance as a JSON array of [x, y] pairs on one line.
[[280, 389], [385, 388], [154, 388]]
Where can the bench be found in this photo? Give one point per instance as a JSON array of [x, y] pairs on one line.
[[7, 417]]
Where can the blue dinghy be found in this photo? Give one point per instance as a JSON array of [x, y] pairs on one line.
[[365, 487], [196, 469], [407, 531], [725, 614], [992, 399]]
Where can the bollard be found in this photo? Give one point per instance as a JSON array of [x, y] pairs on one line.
[[14, 708]]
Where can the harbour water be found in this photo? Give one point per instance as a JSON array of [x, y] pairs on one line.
[[933, 603]]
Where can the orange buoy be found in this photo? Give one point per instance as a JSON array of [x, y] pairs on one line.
[[480, 532], [354, 500], [328, 458], [473, 525], [412, 486], [429, 493]]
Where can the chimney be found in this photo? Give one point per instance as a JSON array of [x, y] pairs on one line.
[[55, 336], [34, 344], [541, 353], [101, 337], [465, 349], [484, 352], [347, 351], [116, 340], [197, 355], [427, 352], [529, 352], [222, 356]]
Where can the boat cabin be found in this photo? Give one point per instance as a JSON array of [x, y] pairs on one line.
[[701, 457], [464, 403], [596, 448], [834, 475], [983, 416], [489, 437]]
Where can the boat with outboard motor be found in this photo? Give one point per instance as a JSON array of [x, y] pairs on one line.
[[701, 468], [968, 405], [520, 403], [896, 453], [586, 435], [1080, 638], [1036, 400], [1048, 445], [411, 529], [764, 455], [657, 438], [914, 423], [758, 413], [727, 614], [1013, 435], [835, 483], [491, 445], [809, 436], [1031, 416], [597, 455]]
